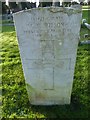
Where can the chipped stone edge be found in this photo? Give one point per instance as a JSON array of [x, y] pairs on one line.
[[67, 10]]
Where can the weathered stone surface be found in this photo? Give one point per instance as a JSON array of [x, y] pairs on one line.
[[48, 40]]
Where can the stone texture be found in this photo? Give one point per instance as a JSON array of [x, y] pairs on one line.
[[48, 41]]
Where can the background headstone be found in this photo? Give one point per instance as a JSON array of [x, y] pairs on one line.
[[48, 39]]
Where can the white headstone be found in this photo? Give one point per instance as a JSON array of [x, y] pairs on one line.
[[48, 40]]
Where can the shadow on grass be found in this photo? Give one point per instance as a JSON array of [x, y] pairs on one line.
[[74, 110]]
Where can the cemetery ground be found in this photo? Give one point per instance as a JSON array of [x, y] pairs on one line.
[[15, 103]]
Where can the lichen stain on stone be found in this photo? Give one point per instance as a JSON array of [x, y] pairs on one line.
[[30, 90], [66, 10], [55, 9], [69, 12], [44, 35], [39, 96], [29, 87]]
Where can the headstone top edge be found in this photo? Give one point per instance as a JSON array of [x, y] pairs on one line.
[[74, 9]]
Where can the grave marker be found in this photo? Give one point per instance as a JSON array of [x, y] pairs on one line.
[[48, 40]]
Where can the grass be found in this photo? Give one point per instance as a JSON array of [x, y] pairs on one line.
[[86, 15], [7, 21], [15, 103], [86, 7]]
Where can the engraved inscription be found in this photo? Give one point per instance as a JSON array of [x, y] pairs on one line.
[[41, 64]]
